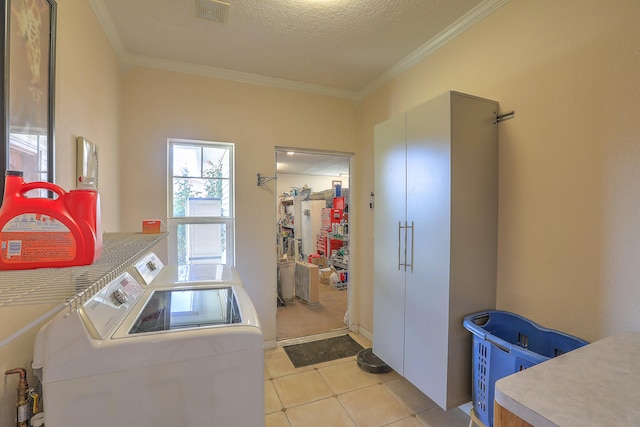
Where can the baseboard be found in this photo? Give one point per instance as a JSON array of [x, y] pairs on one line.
[[364, 332], [310, 338]]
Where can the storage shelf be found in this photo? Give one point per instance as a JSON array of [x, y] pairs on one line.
[[340, 265], [342, 237], [74, 285]]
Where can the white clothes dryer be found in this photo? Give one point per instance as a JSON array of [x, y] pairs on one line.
[[160, 356]]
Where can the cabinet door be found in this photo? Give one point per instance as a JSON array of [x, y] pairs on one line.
[[429, 208], [390, 206]]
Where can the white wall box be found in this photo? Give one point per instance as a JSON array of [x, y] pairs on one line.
[[310, 224], [436, 215]]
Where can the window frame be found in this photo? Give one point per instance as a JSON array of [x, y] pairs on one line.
[[174, 222]]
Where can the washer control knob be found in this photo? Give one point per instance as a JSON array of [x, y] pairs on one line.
[[119, 297]]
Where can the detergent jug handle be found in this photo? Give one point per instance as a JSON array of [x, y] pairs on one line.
[[42, 185]]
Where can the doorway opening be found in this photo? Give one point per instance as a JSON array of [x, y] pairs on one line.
[[312, 201]]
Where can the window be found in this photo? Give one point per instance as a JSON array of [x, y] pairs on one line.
[[201, 205]]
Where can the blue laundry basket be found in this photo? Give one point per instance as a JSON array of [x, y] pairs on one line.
[[505, 343]]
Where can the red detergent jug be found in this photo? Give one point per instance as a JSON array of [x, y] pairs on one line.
[[38, 232]]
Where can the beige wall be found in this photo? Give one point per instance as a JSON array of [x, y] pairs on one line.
[[569, 162], [569, 223], [159, 105], [87, 104]]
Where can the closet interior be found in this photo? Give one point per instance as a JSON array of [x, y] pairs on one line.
[[312, 243]]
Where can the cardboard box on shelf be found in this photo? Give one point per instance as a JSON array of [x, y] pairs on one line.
[[321, 262]]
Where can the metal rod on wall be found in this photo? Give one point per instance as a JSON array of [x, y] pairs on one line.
[[506, 116], [265, 179]]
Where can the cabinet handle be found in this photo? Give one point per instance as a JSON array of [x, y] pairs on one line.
[[412, 234], [399, 261], [406, 228], [405, 245]]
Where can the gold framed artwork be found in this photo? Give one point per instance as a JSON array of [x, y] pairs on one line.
[[27, 41]]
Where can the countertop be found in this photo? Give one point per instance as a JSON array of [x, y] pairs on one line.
[[595, 385]]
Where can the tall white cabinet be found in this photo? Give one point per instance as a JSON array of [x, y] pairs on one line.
[[436, 213]]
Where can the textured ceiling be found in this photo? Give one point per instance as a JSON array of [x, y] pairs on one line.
[[342, 45], [312, 164], [337, 47]]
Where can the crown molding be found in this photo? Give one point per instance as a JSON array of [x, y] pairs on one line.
[[474, 16], [237, 76], [128, 60], [109, 28]]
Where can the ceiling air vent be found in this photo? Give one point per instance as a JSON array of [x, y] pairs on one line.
[[214, 10]]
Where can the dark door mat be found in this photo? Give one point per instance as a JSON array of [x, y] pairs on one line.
[[315, 352]]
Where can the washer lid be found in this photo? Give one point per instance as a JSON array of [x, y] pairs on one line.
[[170, 309], [198, 307]]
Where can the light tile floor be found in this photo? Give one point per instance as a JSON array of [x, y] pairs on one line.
[[340, 394]]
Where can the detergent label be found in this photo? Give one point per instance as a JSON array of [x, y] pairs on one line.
[[33, 237]]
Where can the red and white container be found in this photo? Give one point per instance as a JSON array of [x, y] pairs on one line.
[[38, 232]]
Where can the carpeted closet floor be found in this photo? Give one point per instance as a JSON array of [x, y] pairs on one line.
[[299, 319]]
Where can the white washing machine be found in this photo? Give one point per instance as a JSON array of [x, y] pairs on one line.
[[154, 273], [150, 357]]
